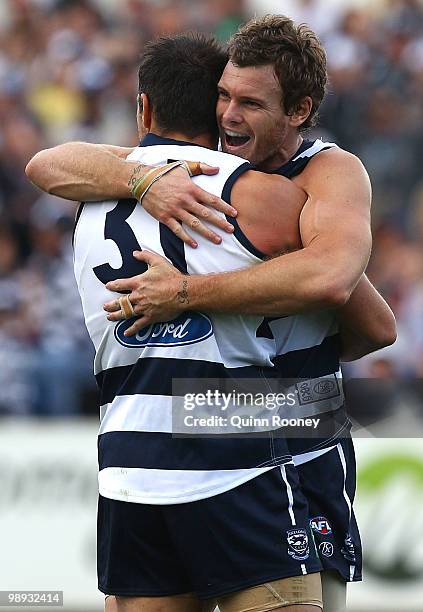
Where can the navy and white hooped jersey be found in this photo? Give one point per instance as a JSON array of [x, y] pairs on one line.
[[320, 359], [139, 459]]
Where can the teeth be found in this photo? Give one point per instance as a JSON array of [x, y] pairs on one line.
[[235, 134]]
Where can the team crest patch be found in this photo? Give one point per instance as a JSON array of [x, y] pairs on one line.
[[298, 547], [348, 549], [321, 525], [188, 328]]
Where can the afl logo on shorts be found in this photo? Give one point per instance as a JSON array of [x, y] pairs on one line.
[[298, 544], [321, 525], [185, 329]]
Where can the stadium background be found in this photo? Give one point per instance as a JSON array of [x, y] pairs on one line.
[[68, 72]]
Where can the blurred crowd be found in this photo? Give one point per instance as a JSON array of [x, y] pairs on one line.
[[68, 72]]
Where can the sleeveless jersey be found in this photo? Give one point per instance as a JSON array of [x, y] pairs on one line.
[[319, 360], [139, 459]]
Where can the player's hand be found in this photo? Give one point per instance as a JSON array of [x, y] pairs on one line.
[[156, 295], [176, 199]]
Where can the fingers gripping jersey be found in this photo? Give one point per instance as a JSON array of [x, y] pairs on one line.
[[139, 459]]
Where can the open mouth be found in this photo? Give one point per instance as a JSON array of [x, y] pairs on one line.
[[235, 139]]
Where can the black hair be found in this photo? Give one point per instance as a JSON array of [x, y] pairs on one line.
[[179, 74]]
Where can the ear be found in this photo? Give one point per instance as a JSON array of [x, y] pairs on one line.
[[302, 113], [144, 111]]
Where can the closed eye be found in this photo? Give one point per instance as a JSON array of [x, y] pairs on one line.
[[252, 103]]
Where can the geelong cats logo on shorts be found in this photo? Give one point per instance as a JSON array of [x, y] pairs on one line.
[[188, 328], [298, 546]]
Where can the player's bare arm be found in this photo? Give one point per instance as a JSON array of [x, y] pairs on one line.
[[53, 171], [335, 231], [82, 171], [269, 208], [367, 323], [91, 172]]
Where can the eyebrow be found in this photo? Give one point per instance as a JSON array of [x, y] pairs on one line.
[[244, 97]]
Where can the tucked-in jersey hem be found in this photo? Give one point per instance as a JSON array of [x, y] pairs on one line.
[[140, 498]]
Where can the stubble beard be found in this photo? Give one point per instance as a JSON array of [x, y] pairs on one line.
[[266, 156]]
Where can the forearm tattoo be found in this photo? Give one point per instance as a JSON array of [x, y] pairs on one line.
[[182, 295], [135, 175]]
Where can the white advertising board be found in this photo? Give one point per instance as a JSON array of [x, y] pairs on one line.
[[48, 497]]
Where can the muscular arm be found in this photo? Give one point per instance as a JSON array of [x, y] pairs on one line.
[[335, 231], [83, 172], [367, 323], [80, 170], [269, 208], [91, 172]]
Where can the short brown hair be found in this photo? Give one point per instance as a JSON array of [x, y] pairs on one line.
[[296, 53]]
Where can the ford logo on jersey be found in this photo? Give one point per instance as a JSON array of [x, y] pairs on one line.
[[188, 328]]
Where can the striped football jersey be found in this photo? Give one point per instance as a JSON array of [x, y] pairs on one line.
[[139, 458]]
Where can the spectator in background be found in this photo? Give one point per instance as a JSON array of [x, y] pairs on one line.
[[316, 14], [18, 328], [63, 355]]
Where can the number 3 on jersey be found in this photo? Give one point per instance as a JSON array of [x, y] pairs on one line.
[[117, 229]]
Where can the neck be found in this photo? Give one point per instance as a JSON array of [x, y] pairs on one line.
[[283, 154], [203, 140]]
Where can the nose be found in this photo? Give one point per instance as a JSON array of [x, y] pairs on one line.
[[232, 114]]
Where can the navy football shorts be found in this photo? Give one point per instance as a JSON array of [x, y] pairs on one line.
[[328, 482], [255, 533]]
